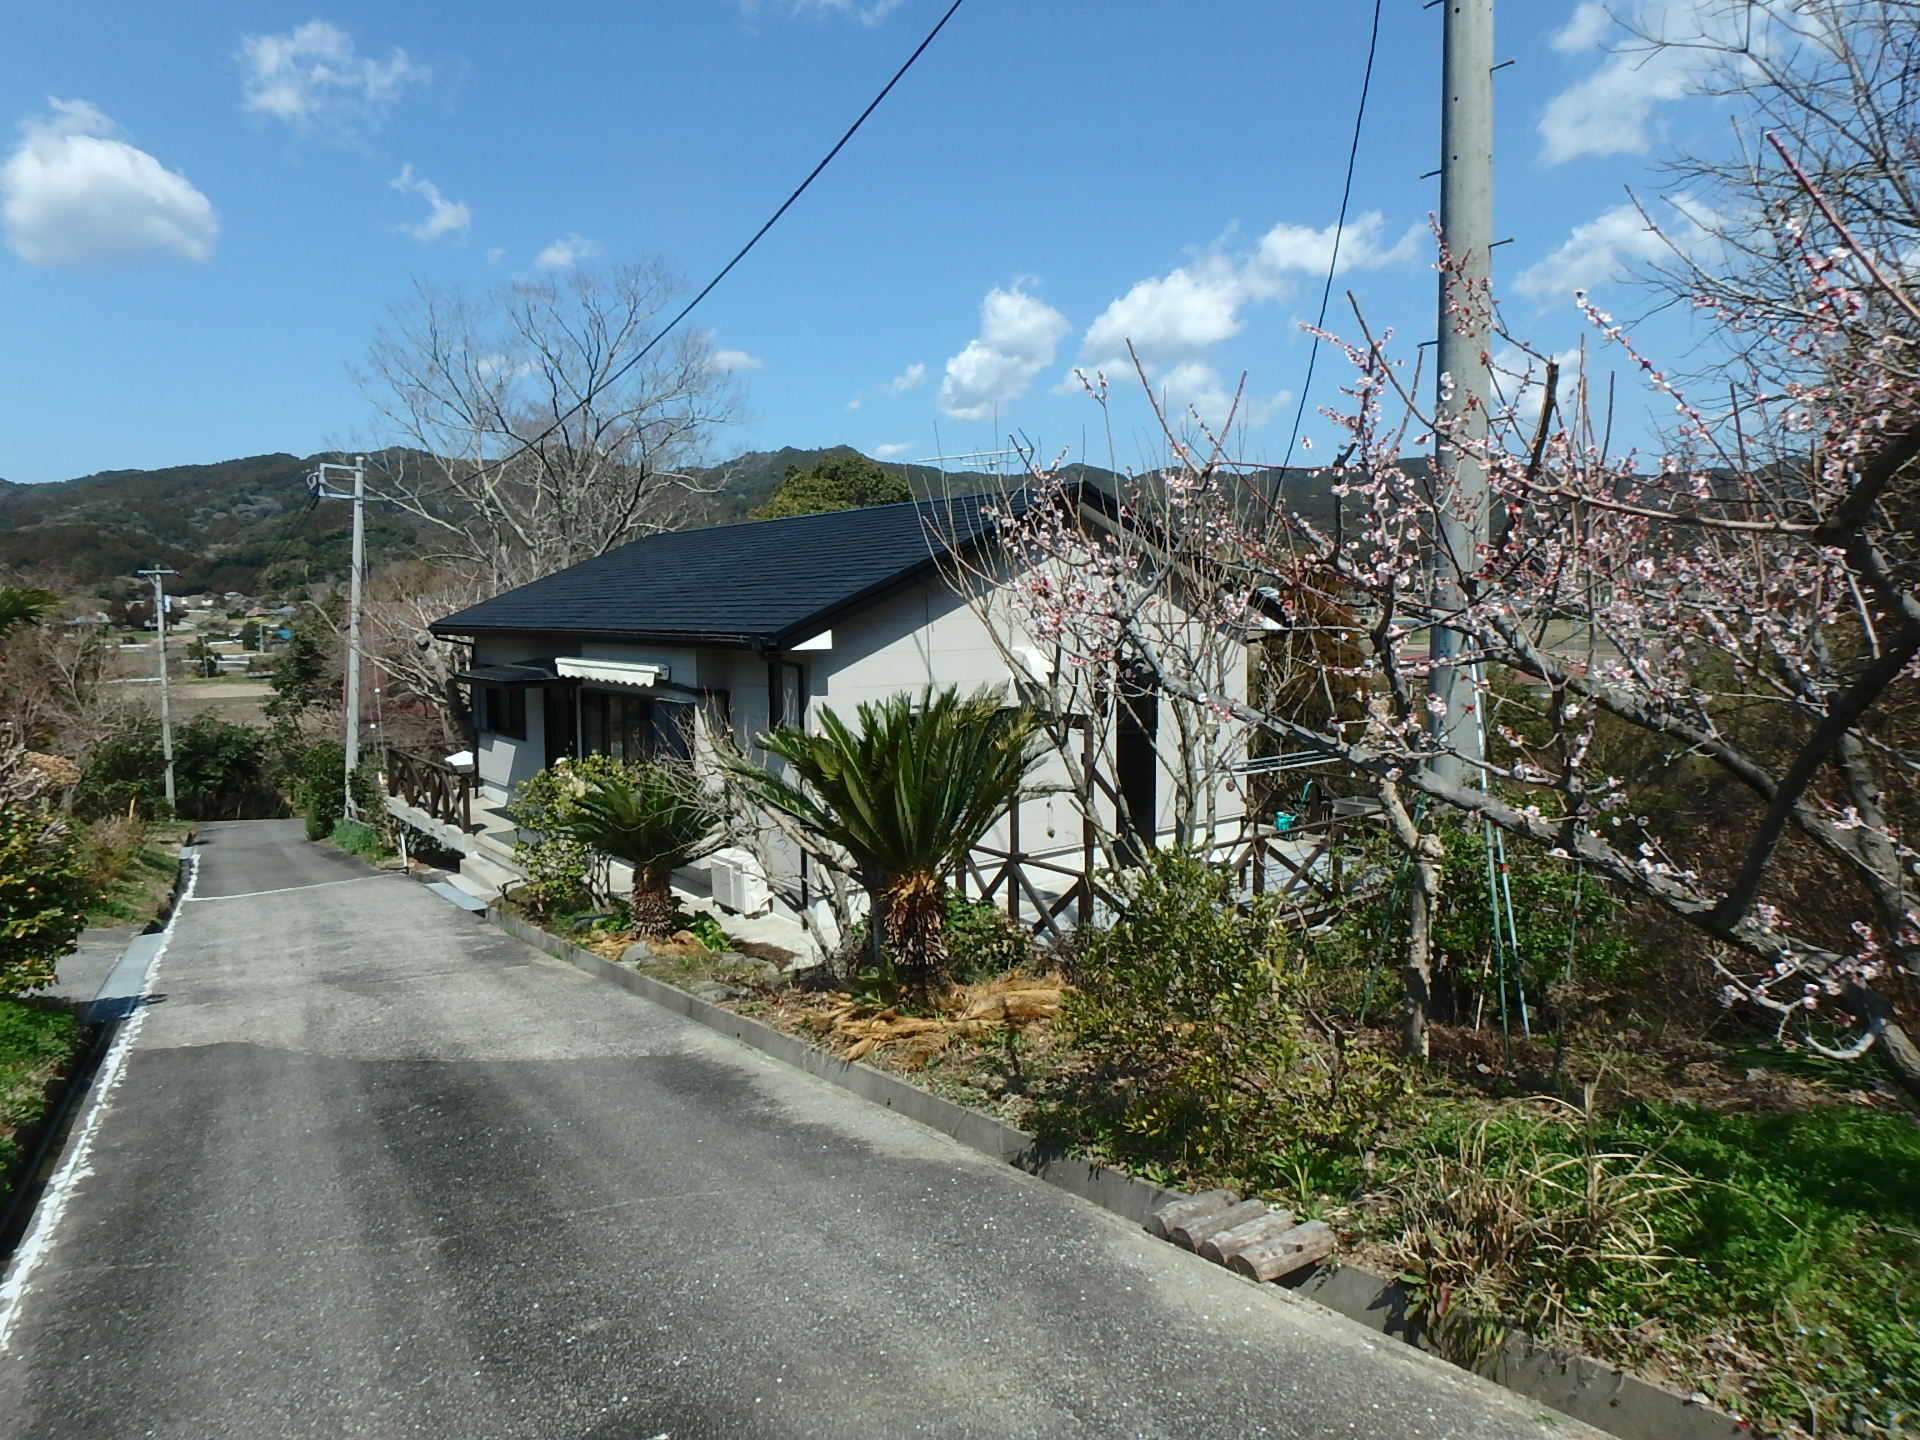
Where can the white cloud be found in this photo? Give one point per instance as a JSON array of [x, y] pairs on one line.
[[1181, 314], [1521, 377], [567, 251], [1606, 247], [1652, 51], [1185, 310], [76, 196], [887, 452], [911, 378], [731, 360], [444, 217], [1018, 336], [866, 12], [312, 79], [1196, 387]]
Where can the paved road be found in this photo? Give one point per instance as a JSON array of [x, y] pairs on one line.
[[373, 1169]]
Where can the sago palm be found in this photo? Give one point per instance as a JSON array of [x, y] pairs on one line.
[[907, 797], [655, 819], [21, 605]]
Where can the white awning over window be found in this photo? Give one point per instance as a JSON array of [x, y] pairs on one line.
[[611, 672]]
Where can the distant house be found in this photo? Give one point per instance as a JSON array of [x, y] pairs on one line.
[[638, 652]]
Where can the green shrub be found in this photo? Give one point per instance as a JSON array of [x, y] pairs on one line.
[[109, 847], [222, 771], [36, 1041], [1191, 1009], [125, 774], [358, 838], [702, 927], [315, 789], [43, 895], [1566, 935], [561, 872], [981, 941]]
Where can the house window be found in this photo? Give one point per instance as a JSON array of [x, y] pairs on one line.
[[504, 709], [614, 724], [635, 727], [672, 731], [788, 700]]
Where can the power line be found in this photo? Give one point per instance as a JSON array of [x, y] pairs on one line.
[[1339, 233], [741, 254]]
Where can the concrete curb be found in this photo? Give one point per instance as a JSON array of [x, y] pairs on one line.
[[1586, 1389]]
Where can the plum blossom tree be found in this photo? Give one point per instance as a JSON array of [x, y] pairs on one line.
[[1079, 553], [1763, 565]]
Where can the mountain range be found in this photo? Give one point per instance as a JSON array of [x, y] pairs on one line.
[[251, 525]]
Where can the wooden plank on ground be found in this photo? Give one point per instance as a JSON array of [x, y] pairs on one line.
[[1192, 1233], [1192, 1208], [1300, 1247], [1223, 1246]]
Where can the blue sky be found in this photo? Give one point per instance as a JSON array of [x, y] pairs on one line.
[[207, 207]]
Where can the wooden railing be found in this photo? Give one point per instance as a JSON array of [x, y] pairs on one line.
[[1004, 878], [1262, 859], [427, 785], [1263, 862]]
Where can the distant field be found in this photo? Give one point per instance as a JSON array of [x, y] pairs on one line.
[[236, 698]]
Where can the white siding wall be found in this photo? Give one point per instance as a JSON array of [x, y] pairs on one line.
[[923, 636], [504, 762], [743, 676], [929, 635], [926, 636]]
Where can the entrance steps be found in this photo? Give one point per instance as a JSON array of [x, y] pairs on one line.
[[483, 878]]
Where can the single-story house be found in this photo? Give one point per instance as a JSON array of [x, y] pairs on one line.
[[743, 627]]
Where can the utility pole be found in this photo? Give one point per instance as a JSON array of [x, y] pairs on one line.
[[157, 576], [317, 482], [1465, 335]]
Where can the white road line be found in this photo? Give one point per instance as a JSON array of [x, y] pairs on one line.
[[282, 890], [77, 1166]]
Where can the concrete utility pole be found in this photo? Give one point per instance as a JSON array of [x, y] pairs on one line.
[[157, 576], [317, 481], [1466, 227]]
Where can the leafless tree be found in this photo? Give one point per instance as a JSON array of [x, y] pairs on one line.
[[416, 667], [53, 688], [540, 425]]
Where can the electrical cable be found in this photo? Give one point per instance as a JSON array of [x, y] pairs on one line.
[[1339, 233], [741, 254]]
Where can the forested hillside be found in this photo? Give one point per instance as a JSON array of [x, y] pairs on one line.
[[248, 524]]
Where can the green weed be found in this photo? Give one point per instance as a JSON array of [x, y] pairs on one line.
[[357, 838], [37, 1041]]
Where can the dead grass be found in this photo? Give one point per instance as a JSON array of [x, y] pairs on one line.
[[857, 1028]]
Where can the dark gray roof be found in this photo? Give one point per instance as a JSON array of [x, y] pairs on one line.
[[759, 585]]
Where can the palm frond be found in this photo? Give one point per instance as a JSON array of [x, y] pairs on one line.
[[913, 789], [20, 605], [649, 817]]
